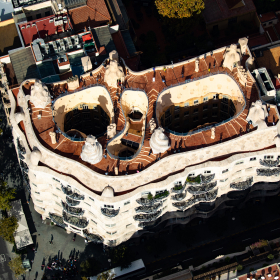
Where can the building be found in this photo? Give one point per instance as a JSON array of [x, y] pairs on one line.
[[222, 14], [113, 154]]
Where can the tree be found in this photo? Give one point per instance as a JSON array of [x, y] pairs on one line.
[[89, 267], [179, 8], [121, 256], [16, 266], [106, 275], [6, 195], [7, 228]]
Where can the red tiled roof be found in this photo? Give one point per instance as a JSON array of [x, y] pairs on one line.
[[217, 10], [43, 26], [267, 16], [94, 14]]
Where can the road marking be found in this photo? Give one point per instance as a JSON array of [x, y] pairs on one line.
[[275, 229], [246, 239], [157, 269], [188, 259], [217, 249]]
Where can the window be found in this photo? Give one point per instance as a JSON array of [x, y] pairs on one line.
[[232, 21], [41, 208], [215, 97], [111, 233], [157, 192], [195, 119], [191, 175], [186, 113], [214, 114], [270, 23], [48, 13], [58, 188], [126, 211], [94, 221], [239, 162], [223, 180], [56, 180], [128, 225], [247, 169], [91, 198], [195, 102], [41, 201], [268, 157], [195, 110], [177, 108], [58, 203], [207, 172], [126, 203], [205, 115], [111, 225], [205, 107], [91, 213], [37, 192], [205, 99], [225, 171], [108, 206], [187, 104], [54, 195], [38, 16], [238, 171], [34, 185], [215, 105], [252, 159], [87, 204], [177, 116]]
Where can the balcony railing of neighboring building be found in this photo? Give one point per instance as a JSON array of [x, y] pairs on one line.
[[75, 221], [269, 163], [147, 217], [57, 220], [204, 188], [77, 196], [72, 210], [72, 202], [110, 212], [178, 188], [268, 172], [93, 237], [66, 190], [179, 196], [242, 185], [148, 209], [145, 201]]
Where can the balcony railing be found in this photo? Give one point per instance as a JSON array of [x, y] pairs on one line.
[[161, 196], [72, 210], [75, 221], [204, 188], [242, 185], [178, 189], [200, 179], [66, 190], [179, 196], [269, 163], [145, 201], [93, 237], [77, 196], [57, 220], [147, 217], [110, 212], [72, 202], [268, 172], [148, 209], [207, 179]]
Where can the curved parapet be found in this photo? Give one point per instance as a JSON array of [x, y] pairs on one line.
[[92, 150], [159, 142]]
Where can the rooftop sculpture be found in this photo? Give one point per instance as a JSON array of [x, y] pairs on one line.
[[39, 95], [257, 114], [232, 57], [159, 142], [92, 150]]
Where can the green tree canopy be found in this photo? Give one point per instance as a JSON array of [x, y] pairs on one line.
[[7, 227], [89, 267], [106, 275], [179, 8], [16, 266], [6, 195], [121, 256]]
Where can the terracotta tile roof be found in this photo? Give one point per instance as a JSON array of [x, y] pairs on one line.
[[218, 10], [267, 16], [94, 14]]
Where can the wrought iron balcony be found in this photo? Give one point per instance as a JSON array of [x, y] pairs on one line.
[[203, 188], [200, 179], [72, 210], [179, 196], [268, 172], [269, 163], [161, 196], [110, 212], [148, 209], [57, 220], [75, 221], [145, 201], [93, 237], [242, 185], [182, 205], [147, 217], [77, 196], [66, 190], [72, 202], [178, 189]]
